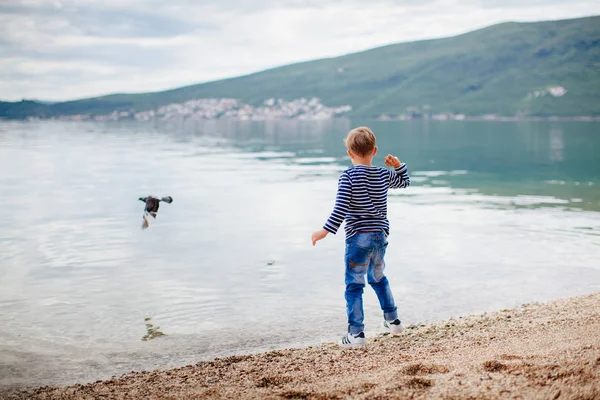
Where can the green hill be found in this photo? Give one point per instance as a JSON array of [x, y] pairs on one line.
[[488, 71]]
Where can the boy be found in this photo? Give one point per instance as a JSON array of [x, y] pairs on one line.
[[362, 202]]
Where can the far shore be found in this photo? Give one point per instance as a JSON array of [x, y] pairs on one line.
[[535, 351], [491, 118]]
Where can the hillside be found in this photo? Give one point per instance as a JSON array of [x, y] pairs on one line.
[[494, 70]]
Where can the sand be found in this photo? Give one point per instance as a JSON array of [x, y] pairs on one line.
[[536, 351]]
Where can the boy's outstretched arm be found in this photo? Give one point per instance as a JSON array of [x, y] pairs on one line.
[[398, 179], [342, 203]]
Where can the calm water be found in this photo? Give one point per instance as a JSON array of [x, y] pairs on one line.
[[499, 214]]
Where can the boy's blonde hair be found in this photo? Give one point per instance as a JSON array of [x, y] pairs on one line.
[[360, 141]]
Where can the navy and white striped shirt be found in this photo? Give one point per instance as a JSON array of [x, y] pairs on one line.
[[362, 198]]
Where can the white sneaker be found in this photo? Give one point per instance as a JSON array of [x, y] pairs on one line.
[[394, 327], [350, 340]]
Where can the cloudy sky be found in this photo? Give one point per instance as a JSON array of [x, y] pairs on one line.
[[68, 49]]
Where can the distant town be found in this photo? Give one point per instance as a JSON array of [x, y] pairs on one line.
[[300, 109]]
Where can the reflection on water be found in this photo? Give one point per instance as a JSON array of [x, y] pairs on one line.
[[498, 214], [556, 145]]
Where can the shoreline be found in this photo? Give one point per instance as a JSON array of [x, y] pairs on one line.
[[539, 350], [485, 118]]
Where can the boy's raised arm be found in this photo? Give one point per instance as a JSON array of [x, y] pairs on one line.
[[399, 178]]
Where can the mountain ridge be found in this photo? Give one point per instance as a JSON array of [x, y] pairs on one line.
[[492, 70]]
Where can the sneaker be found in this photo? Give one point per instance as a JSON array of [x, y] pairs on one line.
[[394, 327], [350, 340]]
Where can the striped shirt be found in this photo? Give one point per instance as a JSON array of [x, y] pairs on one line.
[[362, 198]]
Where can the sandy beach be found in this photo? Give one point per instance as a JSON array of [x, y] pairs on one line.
[[536, 351]]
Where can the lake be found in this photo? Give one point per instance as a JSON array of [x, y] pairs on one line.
[[498, 214]]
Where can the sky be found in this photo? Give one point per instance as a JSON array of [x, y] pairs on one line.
[[69, 49]]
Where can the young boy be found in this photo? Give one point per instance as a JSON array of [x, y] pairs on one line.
[[362, 202]]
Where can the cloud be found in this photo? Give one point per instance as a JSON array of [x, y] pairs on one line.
[[99, 21], [58, 50]]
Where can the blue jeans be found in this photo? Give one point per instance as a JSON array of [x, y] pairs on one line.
[[364, 256]]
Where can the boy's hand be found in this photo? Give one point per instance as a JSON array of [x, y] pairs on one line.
[[392, 161], [318, 235]]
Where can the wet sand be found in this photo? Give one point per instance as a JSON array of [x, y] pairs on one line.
[[536, 351]]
